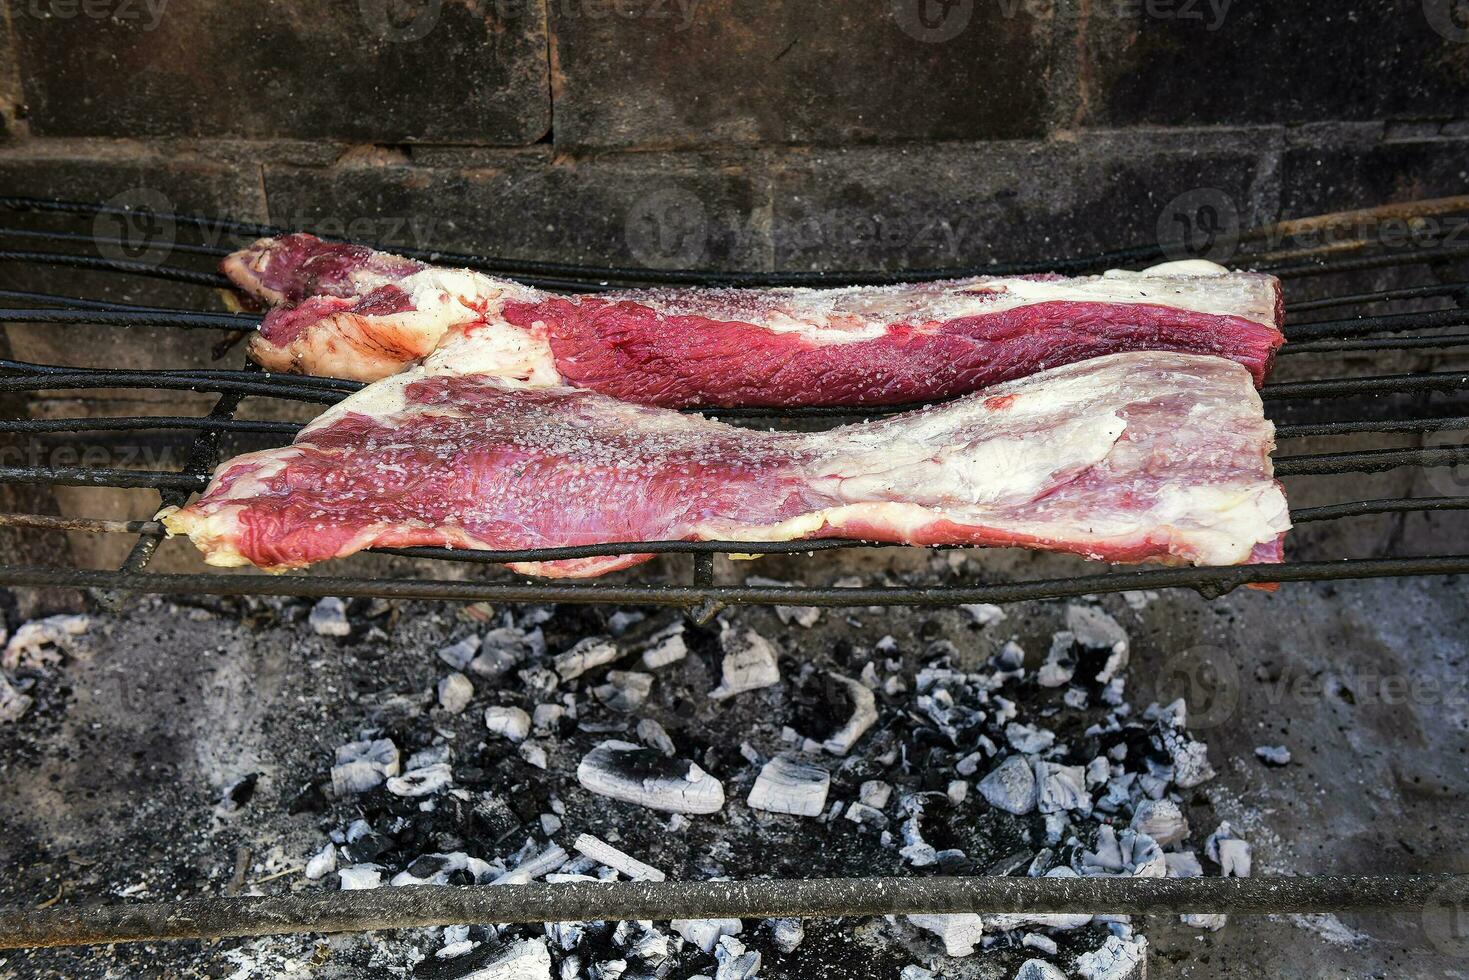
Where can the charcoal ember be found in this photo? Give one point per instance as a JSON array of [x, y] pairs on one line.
[[623, 620], [620, 861], [735, 962], [1095, 630], [322, 863], [503, 649], [459, 655], [1230, 851], [959, 932], [875, 793], [862, 717], [791, 784], [1161, 820], [955, 862], [442, 869], [1117, 959], [1035, 940], [329, 618], [585, 655], [706, 933], [540, 683], [524, 959], [1010, 864], [787, 934], [1190, 758], [625, 690], [664, 647], [635, 774], [1029, 739], [1059, 666], [508, 721], [653, 734], [1061, 789], [534, 754], [455, 693], [749, 663], [1273, 755], [1010, 786], [364, 765], [422, 782], [238, 794], [914, 972], [1128, 853], [360, 877], [861, 813], [364, 845], [1038, 970], [984, 613]]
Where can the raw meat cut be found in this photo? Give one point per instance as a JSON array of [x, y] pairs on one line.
[[350, 312], [1130, 457]]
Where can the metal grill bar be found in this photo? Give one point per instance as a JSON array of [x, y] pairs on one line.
[[406, 908], [1210, 581], [128, 266], [187, 248], [136, 318], [1459, 290]]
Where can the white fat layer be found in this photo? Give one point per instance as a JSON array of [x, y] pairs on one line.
[[857, 313], [498, 348]]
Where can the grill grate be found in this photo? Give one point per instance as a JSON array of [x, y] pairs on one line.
[[703, 598]]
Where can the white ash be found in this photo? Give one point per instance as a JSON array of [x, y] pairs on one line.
[[623, 620], [867, 816], [1230, 851], [550, 824], [459, 655], [1039, 941], [363, 765], [1117, 959], [790, 784], [1183, 864], [625, 864], [539, 682], [592, 652], [1060, 665], [1096, 630], [706, 933], [1061, 789], [652, 734], [547, 717], [1130, 853], [915, 972], [1273, 755], [455, 693], [502, 649], [534, 754], [665, 647], [786, 933], [803, 616], [960, 932], [42, 641], [508, 721], [635, 774], [1190, 758], [984, 613], [957, 791], [13, 704], [625, 690], [456, 943], [322, 863], [1161, 820], [329, 618], [433, 755], [1038, 970], [422, 782], [864, 716], [360, 877], [735, 961], [1010, 786], [749, 663], [875, 793], [525, 959]]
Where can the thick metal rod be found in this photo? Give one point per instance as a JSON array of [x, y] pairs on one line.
[[427, 907], [1209, 580], [135, 318], [127, 266], [1382, 296]]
